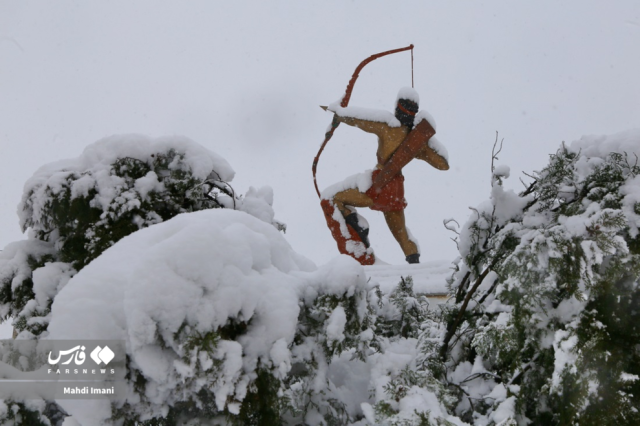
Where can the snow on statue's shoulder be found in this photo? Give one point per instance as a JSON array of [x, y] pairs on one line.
[[424, 115], [434, 143]]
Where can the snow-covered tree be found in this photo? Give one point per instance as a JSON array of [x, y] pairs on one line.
[[75, 209], [406, 371], [225, 324], [237, 328], [544, 328], [240, 329]]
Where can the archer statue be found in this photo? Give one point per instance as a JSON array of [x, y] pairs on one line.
[[402, 136]]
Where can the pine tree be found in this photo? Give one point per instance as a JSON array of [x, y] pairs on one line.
[[75, 210], [405, 318], [545, 325]]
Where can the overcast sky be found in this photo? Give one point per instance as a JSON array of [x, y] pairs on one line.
[[245, 79]]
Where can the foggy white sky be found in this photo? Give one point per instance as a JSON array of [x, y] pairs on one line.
[[245, 79]]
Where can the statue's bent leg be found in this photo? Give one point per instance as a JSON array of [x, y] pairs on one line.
[[396, 222], [345, 201], [351, 197]]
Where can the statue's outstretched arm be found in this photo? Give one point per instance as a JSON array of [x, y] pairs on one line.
[[369, 126]]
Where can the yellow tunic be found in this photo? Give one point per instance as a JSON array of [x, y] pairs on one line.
[[390, 138]]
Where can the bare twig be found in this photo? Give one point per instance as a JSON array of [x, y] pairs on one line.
[[454, 326], [477, 375], [455, 240], [462, 287], [464, 392], [522, 182], [494, 153], [446, 223], [484, 297], [524, 369]]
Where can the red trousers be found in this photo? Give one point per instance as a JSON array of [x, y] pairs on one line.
[[391, 197]]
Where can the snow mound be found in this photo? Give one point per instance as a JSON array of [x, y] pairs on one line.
[[95, 165], [186, 277], [603, 145], [594, 148]]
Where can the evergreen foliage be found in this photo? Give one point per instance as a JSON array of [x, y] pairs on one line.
[[404, 312], [405, 318], [18, 261], [74, 215], [542, 327], [143, 193], [547, 301], [329, 325], [272, 397], [76, 209]]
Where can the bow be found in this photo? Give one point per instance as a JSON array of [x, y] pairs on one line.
[[345, 101]]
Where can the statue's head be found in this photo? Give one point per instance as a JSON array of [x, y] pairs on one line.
[[407, 106]]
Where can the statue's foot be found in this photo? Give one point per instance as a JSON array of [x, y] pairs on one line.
[[413, 258], [362, 229]]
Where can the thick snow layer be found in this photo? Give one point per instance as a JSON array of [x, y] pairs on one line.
[[395, 357], [429, 277], [13, 259], [96, 160], [379, 115], [631, 192], [424, 115], [198, 270], [408, 93], [15, 269], [593, 149], [361, 181], [47, 282], [502, 170], [602, 145], [564, 354], [439, 148], [370, 114]]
